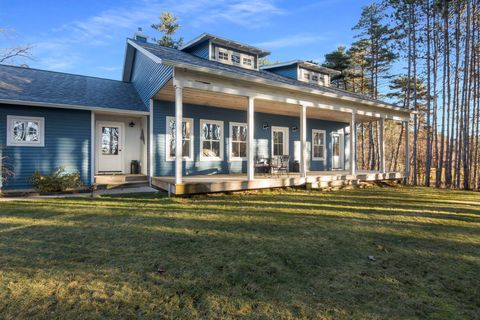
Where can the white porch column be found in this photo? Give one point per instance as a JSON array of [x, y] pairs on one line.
[[407, 151], [353, 149], [382, 145], [250, 138], [303, 141], [178, 133]]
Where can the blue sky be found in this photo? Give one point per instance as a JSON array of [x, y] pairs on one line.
[[88, 37]]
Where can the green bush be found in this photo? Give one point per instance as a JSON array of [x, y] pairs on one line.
[[56, 181]]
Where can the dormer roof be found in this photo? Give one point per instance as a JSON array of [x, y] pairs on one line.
[[303, 64], [227, 43]]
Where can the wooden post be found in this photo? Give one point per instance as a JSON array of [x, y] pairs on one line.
[[382, 145], [407, 152], [178, 133], [303, 141], [353, 138], [250, 138]]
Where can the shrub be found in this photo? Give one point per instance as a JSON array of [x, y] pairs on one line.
[[5, 169], [56, 181]]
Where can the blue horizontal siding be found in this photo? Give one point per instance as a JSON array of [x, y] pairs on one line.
[[286, 71], [162, 109], [148, 76], [200, 50], [67, 144]]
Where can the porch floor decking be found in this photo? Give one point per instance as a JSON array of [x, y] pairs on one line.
[[236, 182]]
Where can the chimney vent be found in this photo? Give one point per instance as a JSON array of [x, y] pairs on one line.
[[140, 36]]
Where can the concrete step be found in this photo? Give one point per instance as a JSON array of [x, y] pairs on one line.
[[125, 185]]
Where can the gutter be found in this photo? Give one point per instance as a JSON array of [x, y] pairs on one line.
[[71, 106]]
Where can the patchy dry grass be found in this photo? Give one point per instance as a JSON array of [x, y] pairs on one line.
[[280, 255]]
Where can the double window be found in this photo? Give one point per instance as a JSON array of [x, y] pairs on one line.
[[25, 131], [312, 76], [187, 139], [318, 144], [211, 140], [238, 141]]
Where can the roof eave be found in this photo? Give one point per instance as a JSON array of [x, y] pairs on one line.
[[282, 85]]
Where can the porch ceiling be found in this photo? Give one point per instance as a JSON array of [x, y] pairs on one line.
[[229, 101]]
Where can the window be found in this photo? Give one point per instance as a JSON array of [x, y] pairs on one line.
[[25, 131], [211, 140], [247, 61], [222, 55], [306, 76], [279, 141], [318, 143], [110, 137], [187, 139], [233, 57], [314, 77], [238, 141]]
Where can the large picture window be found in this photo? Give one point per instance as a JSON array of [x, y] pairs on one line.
[[318, 144], [238, 141], [187, 139], [25, 131], [211, 140]]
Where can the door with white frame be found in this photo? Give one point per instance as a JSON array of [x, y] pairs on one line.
[[110, 139], [279, 141], [337, 151]]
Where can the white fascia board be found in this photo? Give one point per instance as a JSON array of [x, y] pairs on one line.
[[145, 51], [71, 106], [281, 85]]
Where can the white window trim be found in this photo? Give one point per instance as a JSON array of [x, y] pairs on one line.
[[321, 78], [230, 141], [286, 141], [222, 141], [324, 145], [229, 61], [12, 143], [167, 139]]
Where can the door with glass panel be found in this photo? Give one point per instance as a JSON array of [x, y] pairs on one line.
[[337, 151], [279, 141], [211, 140], [109, 147]]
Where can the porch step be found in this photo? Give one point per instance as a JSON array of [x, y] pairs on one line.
[[125, 185], [120, 179]]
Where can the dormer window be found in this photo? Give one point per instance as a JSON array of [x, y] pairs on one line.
[[247, 61], [235, 58], [222, 55], [312, 77]]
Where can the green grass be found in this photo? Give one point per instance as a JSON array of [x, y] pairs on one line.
[[281, 255]]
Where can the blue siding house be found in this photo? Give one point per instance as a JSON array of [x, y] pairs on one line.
[[243, 125]]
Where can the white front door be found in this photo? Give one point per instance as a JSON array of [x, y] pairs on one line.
[[279, 141], [337, 151], [110, 146]]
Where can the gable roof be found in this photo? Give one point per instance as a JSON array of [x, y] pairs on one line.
[[182, 59], [20, 85], [226, 42], [303, 64]]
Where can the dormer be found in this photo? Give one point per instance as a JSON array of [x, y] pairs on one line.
[[225, 51], [303, 71]]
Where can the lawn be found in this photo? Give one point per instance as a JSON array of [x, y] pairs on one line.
[[383, 253]]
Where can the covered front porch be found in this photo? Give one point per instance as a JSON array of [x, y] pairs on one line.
[[317, 135]]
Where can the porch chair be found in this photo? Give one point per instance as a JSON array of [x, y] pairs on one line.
[[280, 164], [262, 164]]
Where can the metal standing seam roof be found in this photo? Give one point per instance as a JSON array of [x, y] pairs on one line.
[[187, 58], [40, 86]]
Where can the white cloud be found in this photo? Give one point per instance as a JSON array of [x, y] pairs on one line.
[[119, 22], [291, 41]]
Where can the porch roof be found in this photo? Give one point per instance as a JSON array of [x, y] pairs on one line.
[[185, 60], [28, 86]]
